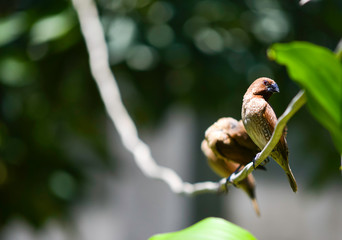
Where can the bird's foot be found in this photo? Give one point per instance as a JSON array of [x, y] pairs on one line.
[[237, 169], [267, 160], [256, 157], [261, 168], [228, 181], [226, 184]]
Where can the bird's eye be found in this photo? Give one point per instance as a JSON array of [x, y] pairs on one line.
[[265, 82]]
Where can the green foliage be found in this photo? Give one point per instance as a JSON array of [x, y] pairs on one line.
[[319, 72], [51, 117], [208, 229]]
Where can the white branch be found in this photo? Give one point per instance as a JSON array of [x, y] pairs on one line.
[[303, 2], [98, 56], [297, 102]]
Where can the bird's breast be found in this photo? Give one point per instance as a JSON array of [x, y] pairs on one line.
[[255, 123]]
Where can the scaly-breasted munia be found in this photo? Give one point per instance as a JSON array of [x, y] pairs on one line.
[[259, 120], [228, 147]]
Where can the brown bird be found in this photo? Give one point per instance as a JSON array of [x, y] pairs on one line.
[[259, 120], [228, 139], [228, 147]]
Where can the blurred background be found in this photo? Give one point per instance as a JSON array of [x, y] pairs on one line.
[[180, 66]]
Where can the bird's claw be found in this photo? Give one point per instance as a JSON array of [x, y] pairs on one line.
[[256, 157], [261, 168], [226, 184], [228, 180], [267, 160]]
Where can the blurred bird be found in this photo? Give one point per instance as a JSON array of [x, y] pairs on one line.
[[259, 120], [229, 140], [228, 148]]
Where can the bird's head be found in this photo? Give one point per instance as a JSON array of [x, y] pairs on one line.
[[263, 87]]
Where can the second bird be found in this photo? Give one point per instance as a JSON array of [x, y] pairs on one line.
[[259, 120]]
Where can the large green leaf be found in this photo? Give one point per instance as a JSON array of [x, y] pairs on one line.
[[319, 72], [208, 229]]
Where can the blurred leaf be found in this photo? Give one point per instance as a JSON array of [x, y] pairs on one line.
[[16, 72], [52, 27], [62, 184], [319, 72], [12, 27], [208, 229]]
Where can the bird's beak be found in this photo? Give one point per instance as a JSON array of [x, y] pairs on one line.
[[273, 88]]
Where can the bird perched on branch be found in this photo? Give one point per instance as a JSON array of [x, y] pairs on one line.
[[259, 120], [228, 148]]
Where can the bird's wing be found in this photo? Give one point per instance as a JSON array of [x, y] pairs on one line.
[[240, 135], [235, 152], [217, 164], [271, 120]]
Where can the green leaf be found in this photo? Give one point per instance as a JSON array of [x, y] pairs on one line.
[[12, 26], [208, 229], [52, 27], [319, 72], [16, 72]]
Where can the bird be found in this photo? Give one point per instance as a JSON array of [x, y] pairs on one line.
[[228, 139], [259, 120], [228, 148]]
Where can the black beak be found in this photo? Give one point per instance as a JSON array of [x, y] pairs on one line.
[[273, 88]]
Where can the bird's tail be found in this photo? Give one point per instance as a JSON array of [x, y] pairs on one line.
[[256, 206], [286, 167], [248, 185], [292, 179]]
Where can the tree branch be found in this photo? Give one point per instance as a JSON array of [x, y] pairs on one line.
[[98, 57], [303, 2]]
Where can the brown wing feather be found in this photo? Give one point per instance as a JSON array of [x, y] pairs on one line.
[[229, 140], [240, 135], [271, 119], [235, 152]]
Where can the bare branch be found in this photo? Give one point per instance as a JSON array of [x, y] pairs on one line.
[[98, 56], [303, 2], [110, 94], [297, 102]]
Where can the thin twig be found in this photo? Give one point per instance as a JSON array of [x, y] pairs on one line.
[[297, 102], [98, 56]]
